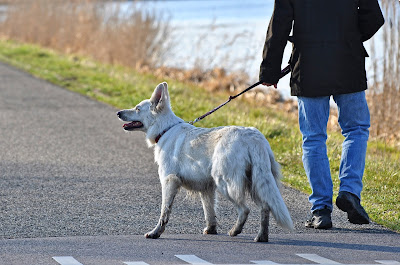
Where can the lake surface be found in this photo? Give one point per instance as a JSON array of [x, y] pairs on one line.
[[218, 33]]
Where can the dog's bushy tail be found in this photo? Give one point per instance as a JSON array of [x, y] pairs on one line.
[[266, 185]]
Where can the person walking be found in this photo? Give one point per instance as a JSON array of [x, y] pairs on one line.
[[328, 59]]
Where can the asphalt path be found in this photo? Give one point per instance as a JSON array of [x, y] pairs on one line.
[[73, 183]]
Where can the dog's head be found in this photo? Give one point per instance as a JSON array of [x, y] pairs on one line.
[[144, 115]]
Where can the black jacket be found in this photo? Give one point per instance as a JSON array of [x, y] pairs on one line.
[[328, 55]]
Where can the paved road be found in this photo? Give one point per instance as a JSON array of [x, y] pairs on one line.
[[334, 248], [70, 176]]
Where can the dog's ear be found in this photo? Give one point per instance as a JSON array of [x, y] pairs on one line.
[[160, 98]]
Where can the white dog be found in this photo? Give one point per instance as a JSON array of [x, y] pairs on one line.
[[233, 160]]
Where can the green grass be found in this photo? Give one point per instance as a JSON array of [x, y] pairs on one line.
[[123, 88]]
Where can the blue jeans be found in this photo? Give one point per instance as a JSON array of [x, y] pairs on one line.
[[354, 121]]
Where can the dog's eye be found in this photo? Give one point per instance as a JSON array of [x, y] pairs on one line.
[[137, 110]]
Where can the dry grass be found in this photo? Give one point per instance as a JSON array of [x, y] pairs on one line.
[[384, 93], [101, 30], [92, 28]]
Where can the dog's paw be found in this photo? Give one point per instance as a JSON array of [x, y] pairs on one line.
[[152, 235], [261, 238], [234, 231], [212, 230]]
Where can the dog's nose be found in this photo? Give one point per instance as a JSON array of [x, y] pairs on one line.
[[119, 114]]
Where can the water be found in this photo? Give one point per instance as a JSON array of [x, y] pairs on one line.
[[203, 10], [218, 33]]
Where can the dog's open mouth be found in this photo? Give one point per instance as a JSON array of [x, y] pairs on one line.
[[132, 125]]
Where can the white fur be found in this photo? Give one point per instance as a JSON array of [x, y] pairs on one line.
[[233, 160]]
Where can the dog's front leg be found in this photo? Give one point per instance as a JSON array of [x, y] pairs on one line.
[[170, 187]]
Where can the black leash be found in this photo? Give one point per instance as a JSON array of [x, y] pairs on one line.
[[284, 72]]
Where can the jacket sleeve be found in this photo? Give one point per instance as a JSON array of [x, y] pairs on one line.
[[370, 18], [278, 32]]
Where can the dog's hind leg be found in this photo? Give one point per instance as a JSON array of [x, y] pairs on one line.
[[208, 201], [243, 212], [237, 197], [263, 233], [170, 187]]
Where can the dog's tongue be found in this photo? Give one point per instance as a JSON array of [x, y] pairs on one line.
[[134, 124]]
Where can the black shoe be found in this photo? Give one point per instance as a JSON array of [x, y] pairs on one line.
[[321, 219], [350, 203]]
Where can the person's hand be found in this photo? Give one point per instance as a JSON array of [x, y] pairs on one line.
[[267, 84]]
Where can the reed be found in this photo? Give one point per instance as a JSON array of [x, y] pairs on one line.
[[384, 93], [93, 28], [133, 37]]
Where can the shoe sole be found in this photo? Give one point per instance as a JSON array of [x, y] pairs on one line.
[[309, 224], [354, 216]]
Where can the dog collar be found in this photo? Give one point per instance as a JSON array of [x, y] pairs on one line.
[[161, 134]]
